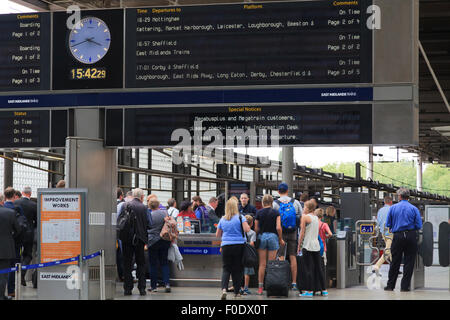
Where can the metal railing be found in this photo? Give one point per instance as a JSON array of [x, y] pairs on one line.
[[19, 268]]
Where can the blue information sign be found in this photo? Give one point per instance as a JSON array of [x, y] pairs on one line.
[[366, 229]]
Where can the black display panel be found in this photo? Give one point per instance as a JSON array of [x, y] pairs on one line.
[[22, 129], [59, 128], [90, 56], [114, 127], [308, 42], [25, 52], [297, 125]]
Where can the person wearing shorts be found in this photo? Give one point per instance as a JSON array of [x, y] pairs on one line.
[[270, 236], [289, 237]]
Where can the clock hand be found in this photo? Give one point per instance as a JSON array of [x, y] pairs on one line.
[[88, 39]]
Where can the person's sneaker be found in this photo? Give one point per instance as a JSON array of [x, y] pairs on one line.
[[387, 288], [294, 287], [127, 293], [325, 293], [142, 292], [237, 296], [246, 291], [152, 290], [223, 296], [306, 294], [168, 289], [260, 291]]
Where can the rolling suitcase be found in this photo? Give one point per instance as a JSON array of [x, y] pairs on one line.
[[278, 278]]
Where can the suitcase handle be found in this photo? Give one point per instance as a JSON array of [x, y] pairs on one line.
[[285, 251]]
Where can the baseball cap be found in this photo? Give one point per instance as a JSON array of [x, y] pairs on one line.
[[283, 187]]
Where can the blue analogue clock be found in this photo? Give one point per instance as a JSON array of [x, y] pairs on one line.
[[89, 40]]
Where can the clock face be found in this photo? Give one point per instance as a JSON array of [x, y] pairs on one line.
[[89, 40]]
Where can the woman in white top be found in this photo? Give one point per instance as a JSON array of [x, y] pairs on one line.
[[311, 276]]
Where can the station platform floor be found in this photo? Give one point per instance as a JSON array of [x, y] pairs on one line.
[[436, 288]]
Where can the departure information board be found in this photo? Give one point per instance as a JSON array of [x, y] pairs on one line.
[[337, 62], [33, 128], [307, 42], [297, 125], [24, 128], [25, 52], [311, 42]]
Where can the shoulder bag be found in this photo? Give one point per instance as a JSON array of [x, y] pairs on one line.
[[249, 256]]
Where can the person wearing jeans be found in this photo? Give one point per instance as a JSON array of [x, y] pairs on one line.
[[157, 255], [229, 230], [157, 248], [270, 235]]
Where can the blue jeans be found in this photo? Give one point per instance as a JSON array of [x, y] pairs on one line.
[[269, 241], [157, 256]]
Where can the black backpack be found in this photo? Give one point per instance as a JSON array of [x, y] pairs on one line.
[[126, 225], [26, 230]]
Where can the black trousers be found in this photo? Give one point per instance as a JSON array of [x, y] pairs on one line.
[[4, 264], [404, 243], [138, 252], [310, 272], [232, 265], [27, 256], [11, 275]]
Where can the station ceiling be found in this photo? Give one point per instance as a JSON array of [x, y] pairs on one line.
[[434, 26]]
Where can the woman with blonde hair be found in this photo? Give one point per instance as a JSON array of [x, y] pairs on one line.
[[229, 230], [270, 235]]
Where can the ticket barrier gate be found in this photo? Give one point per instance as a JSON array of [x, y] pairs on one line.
[[347, 271], [358, 250]]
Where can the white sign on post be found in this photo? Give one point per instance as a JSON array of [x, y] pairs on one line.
[[59, 203]]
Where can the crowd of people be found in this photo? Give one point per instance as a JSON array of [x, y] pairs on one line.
[[151, 216], [269, 230], [266, 229], [18, 221], [285, 229]]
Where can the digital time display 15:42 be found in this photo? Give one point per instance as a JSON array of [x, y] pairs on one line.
[[87, 73]]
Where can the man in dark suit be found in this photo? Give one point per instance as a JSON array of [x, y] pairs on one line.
[[8, 227], [134, 244], [30, 211], [10, 197]]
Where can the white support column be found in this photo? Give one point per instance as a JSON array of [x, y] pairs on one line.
[[369, 171], [419, 173], [287, 168]]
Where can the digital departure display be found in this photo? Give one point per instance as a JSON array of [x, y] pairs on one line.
[[297, 125], [33, 129], [24, 128], [308, 42], [89, 55], [25, 52], [277, 43]]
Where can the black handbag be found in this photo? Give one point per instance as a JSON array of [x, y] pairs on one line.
[[249, 256]]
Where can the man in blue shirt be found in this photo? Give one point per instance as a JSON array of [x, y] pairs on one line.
[[403, 220], [387, 236]]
